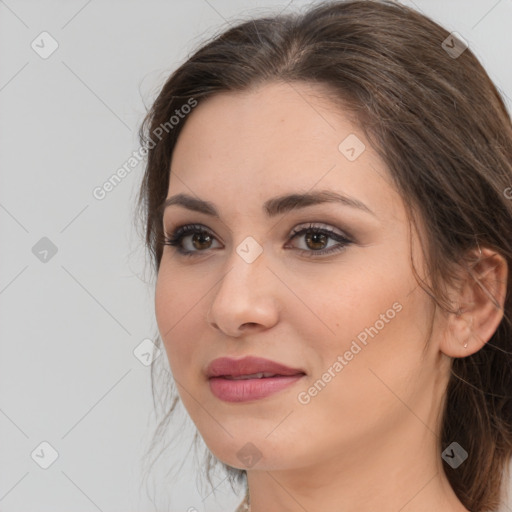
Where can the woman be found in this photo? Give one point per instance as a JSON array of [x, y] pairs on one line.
[[327, 202]]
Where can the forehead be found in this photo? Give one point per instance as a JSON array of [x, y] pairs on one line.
[[275, 139]]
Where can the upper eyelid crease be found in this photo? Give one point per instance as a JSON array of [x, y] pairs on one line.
[[272, 207], [320, 226], [343, 241]]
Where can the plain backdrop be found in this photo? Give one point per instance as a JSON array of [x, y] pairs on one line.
[[75, 301]]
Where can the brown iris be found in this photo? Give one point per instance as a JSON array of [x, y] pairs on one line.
[[318, 240], [198, 239]]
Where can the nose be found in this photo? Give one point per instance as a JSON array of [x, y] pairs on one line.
[[245, 299]]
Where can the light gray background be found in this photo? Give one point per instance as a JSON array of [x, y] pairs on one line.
[[70, 324]]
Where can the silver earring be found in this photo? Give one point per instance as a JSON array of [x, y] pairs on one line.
[[466, 345]]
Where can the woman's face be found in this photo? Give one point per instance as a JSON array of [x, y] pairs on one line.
[[347, 319]]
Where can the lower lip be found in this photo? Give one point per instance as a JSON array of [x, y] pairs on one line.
[[244, 390]]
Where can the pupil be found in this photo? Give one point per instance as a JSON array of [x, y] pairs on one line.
[[318, 240]]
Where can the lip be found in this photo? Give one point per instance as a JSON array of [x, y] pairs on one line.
[[221, 371]]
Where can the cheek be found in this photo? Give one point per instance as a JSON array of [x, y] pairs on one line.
[[176, 310], [374, 322], [358, 393], [348, 305]]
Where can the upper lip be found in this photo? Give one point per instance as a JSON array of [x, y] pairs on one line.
[[226, 366]]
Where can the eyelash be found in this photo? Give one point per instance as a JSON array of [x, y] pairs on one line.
[[175, 239]]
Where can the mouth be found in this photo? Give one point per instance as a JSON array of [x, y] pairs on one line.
[[261, 375], [249, 378]]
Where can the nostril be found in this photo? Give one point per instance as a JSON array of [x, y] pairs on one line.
[[249, 324]]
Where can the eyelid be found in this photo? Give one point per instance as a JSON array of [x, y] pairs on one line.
[[309, 224], [180, 232], [319, 226], [342, 240]]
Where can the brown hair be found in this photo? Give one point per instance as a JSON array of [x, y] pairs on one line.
[[441, 127]]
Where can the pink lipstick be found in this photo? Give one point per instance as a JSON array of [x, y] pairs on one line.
[[249, 378]]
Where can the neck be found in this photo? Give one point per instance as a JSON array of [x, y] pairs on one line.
[[382, 476]]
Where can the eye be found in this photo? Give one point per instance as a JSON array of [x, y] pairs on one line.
[[316, 240], [192, 239]]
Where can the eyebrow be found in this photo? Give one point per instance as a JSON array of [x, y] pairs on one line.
[[274, 206]]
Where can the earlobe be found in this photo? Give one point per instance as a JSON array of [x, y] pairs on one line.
[[470, 331], [461, 338], [481, 300]]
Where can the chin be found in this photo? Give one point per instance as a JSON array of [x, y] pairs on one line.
[[244, 454]]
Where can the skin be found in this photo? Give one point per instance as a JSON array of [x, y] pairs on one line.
[[369, 439]]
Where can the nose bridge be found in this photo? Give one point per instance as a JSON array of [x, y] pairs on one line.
[[244, 294], [245, 272]]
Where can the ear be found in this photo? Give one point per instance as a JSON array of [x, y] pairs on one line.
[[479, 303]]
